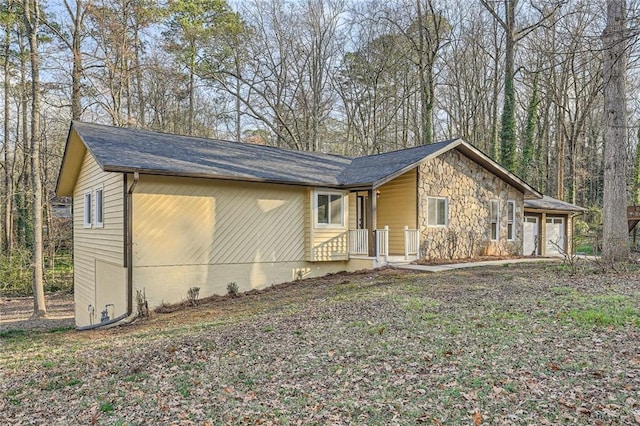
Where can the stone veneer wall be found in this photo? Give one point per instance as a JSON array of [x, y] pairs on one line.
[[469, 188]]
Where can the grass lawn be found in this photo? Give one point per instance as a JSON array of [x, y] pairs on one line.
[[523, 344]]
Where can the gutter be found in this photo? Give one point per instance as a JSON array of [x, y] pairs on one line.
[[129, 316]]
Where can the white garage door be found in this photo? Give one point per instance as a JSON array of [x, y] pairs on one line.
[[529, 246], [555, 236]]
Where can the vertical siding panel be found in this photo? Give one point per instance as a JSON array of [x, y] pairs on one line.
[[308, 225], [353, 211], [95, 244]]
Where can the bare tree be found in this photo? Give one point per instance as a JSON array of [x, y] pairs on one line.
[[77, 11], [513, 34]]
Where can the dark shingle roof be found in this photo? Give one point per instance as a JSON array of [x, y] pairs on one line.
[[550, 203], [120, 149], [374, 168], [128, 150]]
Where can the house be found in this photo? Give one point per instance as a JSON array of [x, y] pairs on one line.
[[160, 214]]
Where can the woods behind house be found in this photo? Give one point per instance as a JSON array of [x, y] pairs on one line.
[[522, 81]]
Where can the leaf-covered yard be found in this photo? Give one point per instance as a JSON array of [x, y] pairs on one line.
[[523, 344]]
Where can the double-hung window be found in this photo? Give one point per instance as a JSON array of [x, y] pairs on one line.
[[329, 209], [93, 208], [511, 220], [437, 211], [494, 216]]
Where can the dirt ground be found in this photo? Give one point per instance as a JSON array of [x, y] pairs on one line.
[[16, 311]]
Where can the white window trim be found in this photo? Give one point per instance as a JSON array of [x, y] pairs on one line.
[[511, 220], [87, 210], [343, 220], [497, 220], [98, 224], [446, 212]]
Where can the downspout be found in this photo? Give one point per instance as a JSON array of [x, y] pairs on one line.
[[128, 316]]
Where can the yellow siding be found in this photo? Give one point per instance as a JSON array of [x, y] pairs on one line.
[[352, 220], [308, 225], [569, 234], [397, 208], [208, 233], [111, 289], [330, 244], [327, 243], [181, 221], [170, 283], [93, 245]]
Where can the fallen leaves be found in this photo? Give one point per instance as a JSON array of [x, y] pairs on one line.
[[397, 349], [477, 418]]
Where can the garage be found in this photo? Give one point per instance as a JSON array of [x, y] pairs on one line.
[[530, 236], [555, 236], [548, 226]]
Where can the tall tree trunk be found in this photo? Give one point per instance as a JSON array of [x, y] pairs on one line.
[[138, 75], [635, 189], [31, 20], [7, 184], [425, 68], [560, 154], [191, 89], [615, 232], [24, 179], [508, 119], [527, 166], [494, 142], [77, 69]]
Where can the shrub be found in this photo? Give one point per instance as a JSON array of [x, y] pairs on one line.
[[232, 289], [15, 272], [192, 295]]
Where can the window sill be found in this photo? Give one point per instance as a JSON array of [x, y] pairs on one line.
[[328, 226]]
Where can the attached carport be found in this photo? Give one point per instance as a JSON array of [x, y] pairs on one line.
[[548, 226]]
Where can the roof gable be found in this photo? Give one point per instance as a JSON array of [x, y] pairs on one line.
[[74, 152], [379, 168]]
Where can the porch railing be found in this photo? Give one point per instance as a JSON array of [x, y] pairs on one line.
[[359, 241], [382, 242], [411, 242]]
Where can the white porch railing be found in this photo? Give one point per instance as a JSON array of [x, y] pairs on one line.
[[411, 242], [359, 241], [382, 242]]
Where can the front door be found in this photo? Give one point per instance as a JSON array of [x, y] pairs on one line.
[[530, 240], [555, 236]]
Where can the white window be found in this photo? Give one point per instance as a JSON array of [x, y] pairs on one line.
[[87, 209], [494, 215], [329, 209], [511, 220], [99, 207], [437, 211]]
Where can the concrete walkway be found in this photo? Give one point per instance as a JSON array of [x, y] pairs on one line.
[[448, 267]]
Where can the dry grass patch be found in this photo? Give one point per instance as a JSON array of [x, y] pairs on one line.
[[500, 345]]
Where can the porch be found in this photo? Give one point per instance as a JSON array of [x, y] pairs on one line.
[[379, 249], [384, 220]]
